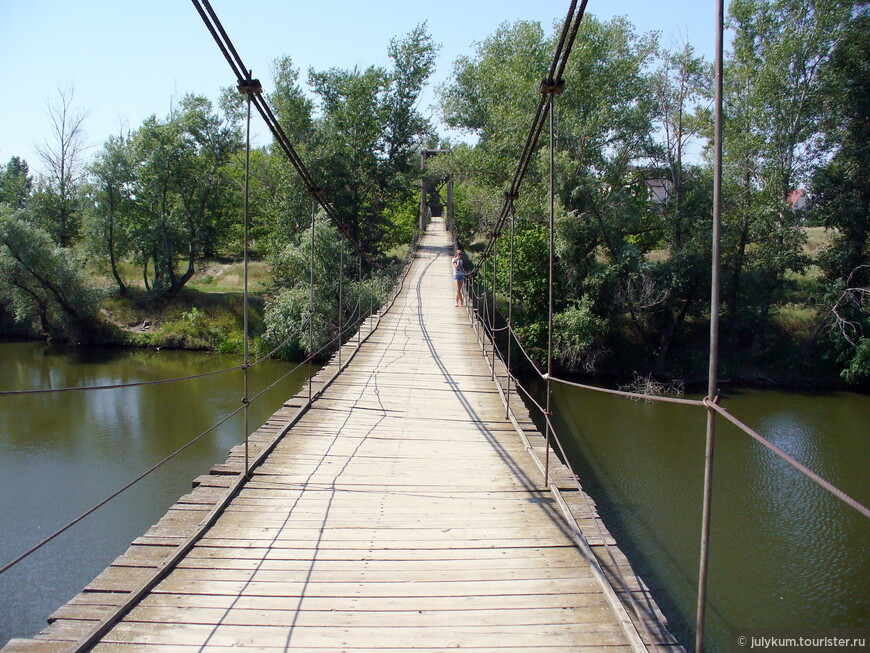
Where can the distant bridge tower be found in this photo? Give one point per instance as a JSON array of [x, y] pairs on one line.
[[431, 201]]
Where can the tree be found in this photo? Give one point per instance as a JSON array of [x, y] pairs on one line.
[[44, 283], [603, 131], [681, 82], [107, 223], [287, 314], [62, 158], [368, 133], [774, 101], [841, 201], [292, 107], [183, 198], [841, 188], [16, 183]]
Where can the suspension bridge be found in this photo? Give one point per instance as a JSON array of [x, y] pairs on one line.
[[400, 510]]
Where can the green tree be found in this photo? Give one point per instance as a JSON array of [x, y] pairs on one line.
[[43, 283], [16, 183], [369, 131], [604, 128], [107, 223], [841, 201], [184, 200], [680, 85], [774, 105], [841, 188], [288, 312]]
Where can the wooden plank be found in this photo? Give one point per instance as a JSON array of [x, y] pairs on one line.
[[503, 635], [288, 616], [418, 648]]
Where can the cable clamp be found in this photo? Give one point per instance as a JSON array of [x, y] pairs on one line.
[[245, 401], [551, 87], [250, 86], [511, 197]]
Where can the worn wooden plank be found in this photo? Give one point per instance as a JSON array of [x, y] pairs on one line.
[[579, 635]]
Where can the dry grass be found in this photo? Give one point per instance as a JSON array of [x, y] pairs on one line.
[[818, 238], [210, 277]]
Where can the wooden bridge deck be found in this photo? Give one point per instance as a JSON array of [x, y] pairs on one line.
[[402, 511]]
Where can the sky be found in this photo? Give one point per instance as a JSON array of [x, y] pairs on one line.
[[127, 60]]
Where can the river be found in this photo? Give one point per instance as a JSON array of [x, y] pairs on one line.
[[784, 554], [61, 453]]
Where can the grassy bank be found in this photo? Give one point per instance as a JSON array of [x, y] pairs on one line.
[[208, 314]]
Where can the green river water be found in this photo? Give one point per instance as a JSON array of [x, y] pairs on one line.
[[784, 553]]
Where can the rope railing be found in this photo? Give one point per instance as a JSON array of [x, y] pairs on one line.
[[545, 413], [702, 403], [353, 322]]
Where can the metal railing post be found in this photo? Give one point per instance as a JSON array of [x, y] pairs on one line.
[[245, 355], [340, 277], [714, 336], [492, 317], [550, 303], [311, 304], [510, 325]]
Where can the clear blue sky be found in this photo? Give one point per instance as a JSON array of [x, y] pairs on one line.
[[128, 60]]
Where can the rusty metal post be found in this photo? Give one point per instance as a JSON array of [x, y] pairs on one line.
[[492, 316], [450, 217], [311, 304], [550, 303], [510, 325], [340, 296], [714, 334], [245, 254]]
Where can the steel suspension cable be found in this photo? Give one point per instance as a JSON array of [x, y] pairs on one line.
[[135, 384], [99, 505], [152, 469], [552, 84], [224, 43]]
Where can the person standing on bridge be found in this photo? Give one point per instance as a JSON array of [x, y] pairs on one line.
[[458, 275]]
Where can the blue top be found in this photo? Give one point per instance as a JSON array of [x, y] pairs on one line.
[[458, 269]]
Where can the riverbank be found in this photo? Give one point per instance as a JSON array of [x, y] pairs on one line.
[[206, 315]]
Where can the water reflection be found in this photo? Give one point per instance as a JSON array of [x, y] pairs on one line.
[[61, 453]]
